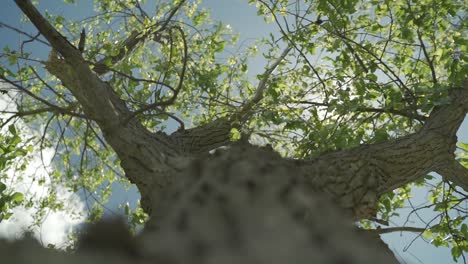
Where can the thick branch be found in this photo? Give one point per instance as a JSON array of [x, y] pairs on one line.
[[454, 172], [141, 152], [204, 138], [446, 119], [58, 42], [356, 178], [217, 133]]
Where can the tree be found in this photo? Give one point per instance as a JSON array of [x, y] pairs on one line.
[[380, 111]]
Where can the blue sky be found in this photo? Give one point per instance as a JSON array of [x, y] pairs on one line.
[[243, 19]]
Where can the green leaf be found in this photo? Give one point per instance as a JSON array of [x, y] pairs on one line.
[[387, 204], [6, 216], [456, 253], [59, 20], [127, 209], [17, 197], [464, 230], [235, 134], [463, 146], [427, 234], [3, 203], [200, 18], [12, 129], [12, 58], [372, 77]]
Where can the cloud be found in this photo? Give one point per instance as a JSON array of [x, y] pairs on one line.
[[34, 182]]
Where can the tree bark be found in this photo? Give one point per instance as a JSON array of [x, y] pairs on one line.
[[241, 205], [247, 204]]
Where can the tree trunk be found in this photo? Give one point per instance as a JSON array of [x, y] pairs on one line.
[[248, 205], [241, 205]]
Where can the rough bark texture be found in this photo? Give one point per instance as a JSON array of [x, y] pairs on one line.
[[248, 205], [244, 204]]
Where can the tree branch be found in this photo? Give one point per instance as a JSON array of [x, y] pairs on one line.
[[263, 83], [58, 42], [395, 229], [446, 119], [131, 42], [140, 151], [58, 110], [24, 33], [455, 172], [361, 175], [176, 91], [51, 106], [373, 110]]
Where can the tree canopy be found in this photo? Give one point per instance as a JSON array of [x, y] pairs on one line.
[[338, 75]]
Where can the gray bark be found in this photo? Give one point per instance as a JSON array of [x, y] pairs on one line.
[[241, 205]]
